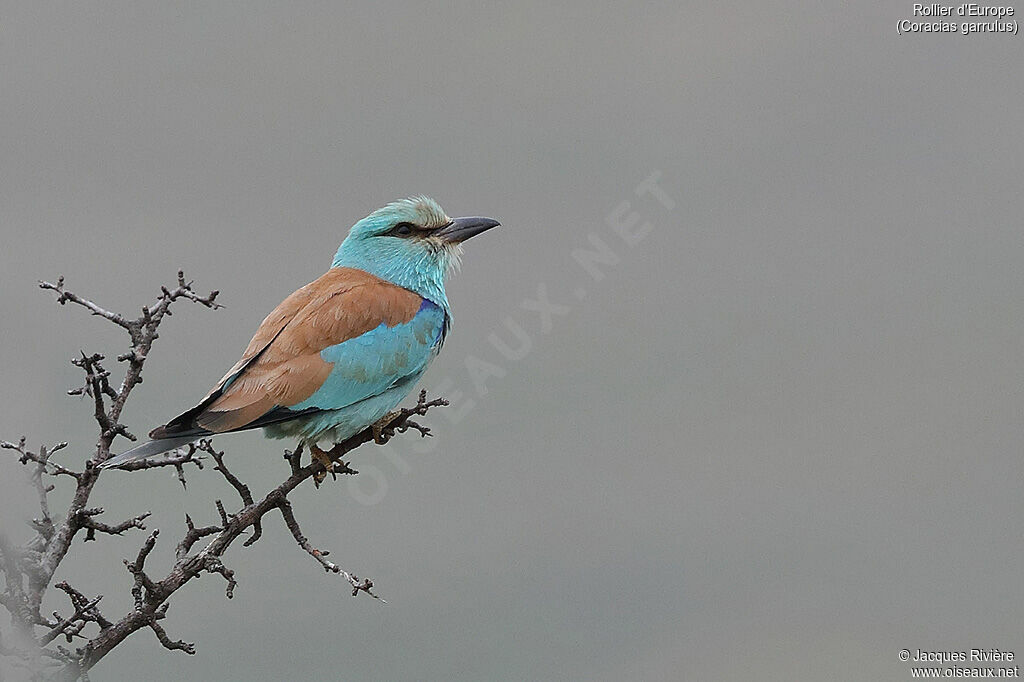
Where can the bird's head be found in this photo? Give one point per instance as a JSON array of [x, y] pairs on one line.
[[412, 243]]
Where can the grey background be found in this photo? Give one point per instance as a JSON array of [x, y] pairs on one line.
[[780, 439]]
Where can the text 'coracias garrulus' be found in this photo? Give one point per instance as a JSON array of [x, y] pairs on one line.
[[339, 354]]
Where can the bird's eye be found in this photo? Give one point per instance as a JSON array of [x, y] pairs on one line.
[[402, 229]]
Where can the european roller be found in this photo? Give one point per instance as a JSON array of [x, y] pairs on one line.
[[341, 353]]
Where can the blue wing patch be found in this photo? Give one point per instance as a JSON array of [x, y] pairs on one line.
[[370, 364]]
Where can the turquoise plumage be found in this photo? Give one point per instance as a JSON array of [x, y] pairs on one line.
[[341, 352], [363, 377]]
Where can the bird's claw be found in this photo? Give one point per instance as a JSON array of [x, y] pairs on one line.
[[332, 466], [380, 428], [324, 459]]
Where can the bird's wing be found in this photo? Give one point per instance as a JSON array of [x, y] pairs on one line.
[[345, 337]]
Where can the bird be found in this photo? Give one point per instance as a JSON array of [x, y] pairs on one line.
[[339, 354]]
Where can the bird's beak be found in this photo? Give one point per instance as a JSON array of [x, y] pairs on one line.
[[462, 229]]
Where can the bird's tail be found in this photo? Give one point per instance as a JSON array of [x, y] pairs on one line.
[[146, 450]]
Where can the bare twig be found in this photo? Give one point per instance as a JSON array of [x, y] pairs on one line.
[[65, 296], [41, 458], [241, 488], [92, 526], [180, 645], [79, 601], [192, 536], [176, 458], [73, 624], [321, 555], [28, 569]]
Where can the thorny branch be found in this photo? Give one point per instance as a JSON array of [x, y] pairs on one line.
[[29, 568]]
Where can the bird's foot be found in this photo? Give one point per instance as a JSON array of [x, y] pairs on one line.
[[323, 458], [381, 428], [330, 465]]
